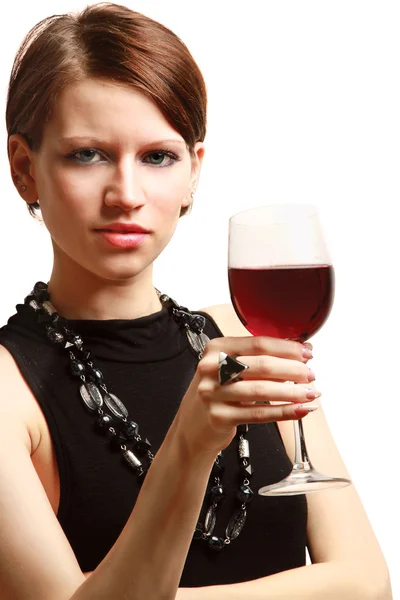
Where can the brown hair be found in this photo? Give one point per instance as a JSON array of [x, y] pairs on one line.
[[106, 41]]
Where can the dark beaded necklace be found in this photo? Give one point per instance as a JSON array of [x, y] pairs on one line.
[[113, 420]]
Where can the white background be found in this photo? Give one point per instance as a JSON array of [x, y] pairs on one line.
[[304, 105]]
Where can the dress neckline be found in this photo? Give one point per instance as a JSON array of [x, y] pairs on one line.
[[153, 337]]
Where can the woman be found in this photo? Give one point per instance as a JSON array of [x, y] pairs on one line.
[[106, 119]]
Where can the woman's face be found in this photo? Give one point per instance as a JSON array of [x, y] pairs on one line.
[[109, 157]]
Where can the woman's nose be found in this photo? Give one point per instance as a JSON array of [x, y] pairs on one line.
[[124, 190]]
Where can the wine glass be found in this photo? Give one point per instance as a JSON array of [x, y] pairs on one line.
[[281, 282]]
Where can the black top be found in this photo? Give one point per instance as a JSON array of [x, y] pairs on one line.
[[148, 363]]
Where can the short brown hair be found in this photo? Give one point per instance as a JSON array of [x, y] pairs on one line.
[[112, 42]]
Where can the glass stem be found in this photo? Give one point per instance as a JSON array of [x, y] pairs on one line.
[[301, 460]]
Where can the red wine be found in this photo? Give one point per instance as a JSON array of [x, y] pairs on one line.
[[285, 302]]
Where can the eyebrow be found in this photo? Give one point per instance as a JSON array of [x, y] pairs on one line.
[[94, 140]]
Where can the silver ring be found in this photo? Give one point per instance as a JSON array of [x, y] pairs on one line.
[[229, 369]]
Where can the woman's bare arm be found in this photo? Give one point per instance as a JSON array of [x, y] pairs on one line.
[[36, 560], [347, 560]]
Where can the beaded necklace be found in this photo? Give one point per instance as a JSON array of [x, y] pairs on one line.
[[112, 418]]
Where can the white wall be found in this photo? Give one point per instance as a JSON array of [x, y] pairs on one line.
[[304, 101]]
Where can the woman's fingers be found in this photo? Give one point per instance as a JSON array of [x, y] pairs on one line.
[[260, 345], [223, 414], [261, 367], [260, 391], [278, 369]]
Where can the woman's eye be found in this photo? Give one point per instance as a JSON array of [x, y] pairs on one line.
[[85, 156], [161, 158]]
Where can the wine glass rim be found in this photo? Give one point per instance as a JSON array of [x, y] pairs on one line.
[[309, 210]]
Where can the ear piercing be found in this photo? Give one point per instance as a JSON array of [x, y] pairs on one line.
[[19, 182]]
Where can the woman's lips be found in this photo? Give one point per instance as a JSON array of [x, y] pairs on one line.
[[123, 240]]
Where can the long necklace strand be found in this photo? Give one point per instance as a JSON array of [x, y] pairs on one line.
[[113, 420]]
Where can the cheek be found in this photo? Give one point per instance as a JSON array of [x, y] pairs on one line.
[[167, 202], [61, 191], [65, 210], [166, 191]]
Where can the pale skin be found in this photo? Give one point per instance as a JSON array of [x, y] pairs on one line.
[[91, 280]]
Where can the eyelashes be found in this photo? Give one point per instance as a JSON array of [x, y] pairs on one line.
[[156, 158], [79, 156], [160, 155]]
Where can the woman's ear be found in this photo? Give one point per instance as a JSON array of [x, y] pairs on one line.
[[21, 164], [197, 159]]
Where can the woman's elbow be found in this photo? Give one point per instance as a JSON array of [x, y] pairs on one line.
[[375, 583], [383, 587]]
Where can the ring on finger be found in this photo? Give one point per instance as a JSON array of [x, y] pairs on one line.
[[229, 369]]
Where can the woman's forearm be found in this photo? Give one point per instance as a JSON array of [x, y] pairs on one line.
[[148, 557], [330, 581]]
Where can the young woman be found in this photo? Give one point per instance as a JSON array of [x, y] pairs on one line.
[[130, 445]]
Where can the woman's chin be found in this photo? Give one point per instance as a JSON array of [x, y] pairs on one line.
[[122, 270]]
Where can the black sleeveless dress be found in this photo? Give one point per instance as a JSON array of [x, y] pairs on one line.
[[148, 363]]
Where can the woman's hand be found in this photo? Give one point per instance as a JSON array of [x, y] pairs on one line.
[[210, 412]]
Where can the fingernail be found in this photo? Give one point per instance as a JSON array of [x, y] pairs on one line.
[[311, 375], [304, 409], [307, 354], [312, 393]]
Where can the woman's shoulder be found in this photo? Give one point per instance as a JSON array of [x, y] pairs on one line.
[[22, 411], [227, 320]]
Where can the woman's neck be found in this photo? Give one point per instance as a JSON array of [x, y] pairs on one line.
[[86, 296]]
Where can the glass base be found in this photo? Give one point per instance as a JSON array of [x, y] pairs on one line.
[[303, 480]]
